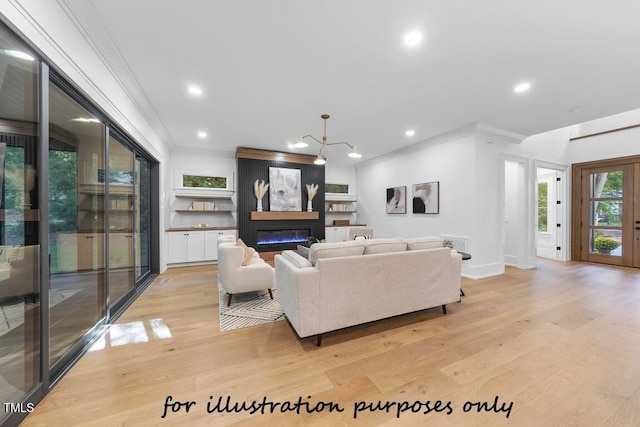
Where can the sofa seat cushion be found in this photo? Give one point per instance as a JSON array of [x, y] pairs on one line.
[[383, 246], [335, 250], [417, 243]]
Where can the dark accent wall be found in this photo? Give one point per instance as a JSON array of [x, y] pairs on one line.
[[250, 169]]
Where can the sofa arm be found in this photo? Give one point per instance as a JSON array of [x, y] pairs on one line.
[[456, 267], [298, 293]]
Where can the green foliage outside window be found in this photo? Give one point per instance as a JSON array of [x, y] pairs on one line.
[[542, 206], [336, 188], [197, 181]]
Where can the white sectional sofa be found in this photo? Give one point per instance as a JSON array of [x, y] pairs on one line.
[[344, 284]]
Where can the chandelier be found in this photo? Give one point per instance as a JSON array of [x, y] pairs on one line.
[[320, 159]]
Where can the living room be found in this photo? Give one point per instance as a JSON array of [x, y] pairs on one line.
[[482, 148]]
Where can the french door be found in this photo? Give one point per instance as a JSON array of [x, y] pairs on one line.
[[607, 220]]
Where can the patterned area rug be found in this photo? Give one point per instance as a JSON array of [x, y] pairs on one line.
[[12, 315], [248, 309]]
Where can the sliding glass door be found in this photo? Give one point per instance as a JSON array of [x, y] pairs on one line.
[[121, 220], [77, 235], [76, 223], [20, 333]]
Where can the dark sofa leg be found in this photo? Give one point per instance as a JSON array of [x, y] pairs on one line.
[[270, 293], [229, 300], [444, 309], [319, 340]]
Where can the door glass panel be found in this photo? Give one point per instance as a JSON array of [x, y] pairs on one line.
[[606, 213], [19, 223], [121, 179], [606, 184], [76, 222], [142, 221], [606, 242]]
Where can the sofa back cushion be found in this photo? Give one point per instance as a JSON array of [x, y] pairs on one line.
[[383, 246], [296, 259], [416, 243], [335, 250]]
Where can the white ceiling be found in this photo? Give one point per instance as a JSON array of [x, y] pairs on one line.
[[269, 69]]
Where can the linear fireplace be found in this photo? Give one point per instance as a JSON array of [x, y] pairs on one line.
[[275, 237]]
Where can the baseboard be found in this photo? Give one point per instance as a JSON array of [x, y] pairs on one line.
[[477, 272]]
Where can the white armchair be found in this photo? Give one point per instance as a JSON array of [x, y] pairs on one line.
[[238, 273], [360, 233]]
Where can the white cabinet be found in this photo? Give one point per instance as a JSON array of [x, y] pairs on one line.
[[211, 242], [120, 250], [338, 234], [90, 251], [193, 246], [335, 234], [185, 246]]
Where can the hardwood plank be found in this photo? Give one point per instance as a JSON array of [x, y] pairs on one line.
[[561, 342]]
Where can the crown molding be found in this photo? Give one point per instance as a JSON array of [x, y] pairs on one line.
[[490, 133], [89, 24]]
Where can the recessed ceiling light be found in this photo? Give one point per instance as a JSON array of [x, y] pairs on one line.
[[18, 54], [412, 38], [410, 132], [522, 87], [195, 90], [300, 143], [202, 134]]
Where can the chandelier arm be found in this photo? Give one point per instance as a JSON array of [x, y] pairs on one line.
[[338, 143], [314, 138]]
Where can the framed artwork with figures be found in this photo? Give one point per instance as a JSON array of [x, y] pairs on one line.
[[396, 200], [426, 198]]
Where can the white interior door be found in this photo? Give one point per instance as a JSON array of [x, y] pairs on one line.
[[548, 218]]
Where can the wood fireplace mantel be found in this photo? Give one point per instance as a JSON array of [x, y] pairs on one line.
[[274, 215]]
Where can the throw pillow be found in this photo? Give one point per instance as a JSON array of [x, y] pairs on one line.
[[248, 254]]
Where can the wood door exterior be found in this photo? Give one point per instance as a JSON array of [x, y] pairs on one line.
[[606, 212]]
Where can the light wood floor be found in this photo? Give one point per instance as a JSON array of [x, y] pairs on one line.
[[562, 342]]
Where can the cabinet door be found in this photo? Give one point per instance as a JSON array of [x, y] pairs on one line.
[[176, 247], [120, 250], [195, 246], [90, 251], [211, 243], [335, 234]]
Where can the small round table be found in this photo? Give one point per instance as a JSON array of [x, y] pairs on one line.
[[465, 256]]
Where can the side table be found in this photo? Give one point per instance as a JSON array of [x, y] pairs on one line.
[[465, 256]]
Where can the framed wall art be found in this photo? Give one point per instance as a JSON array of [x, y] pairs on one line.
[[285, 192], [396, 200], [426, 198]]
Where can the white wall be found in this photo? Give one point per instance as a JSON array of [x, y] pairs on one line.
[[449, 160], [473, 202]]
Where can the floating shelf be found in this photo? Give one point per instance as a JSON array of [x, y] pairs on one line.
[[202, 211], [202, 196], [271, 215]]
